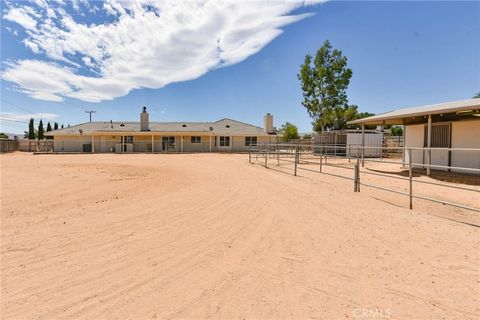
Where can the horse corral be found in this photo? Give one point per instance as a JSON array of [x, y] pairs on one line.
[[213, 236]]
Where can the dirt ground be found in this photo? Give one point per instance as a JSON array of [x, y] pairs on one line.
[[202, 236]]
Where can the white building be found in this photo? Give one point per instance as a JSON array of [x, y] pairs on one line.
[[446, 125], [225, 135]]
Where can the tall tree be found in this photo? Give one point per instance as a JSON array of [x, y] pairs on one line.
[[31, 129], [288, 131], [55, 126], [40, 130], [324, 84], [477, 95], [49, 128]]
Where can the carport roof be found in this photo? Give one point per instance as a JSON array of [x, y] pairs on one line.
[[397, 116]]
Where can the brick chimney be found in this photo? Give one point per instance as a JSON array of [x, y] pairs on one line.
[[144, 120], [268, 123]]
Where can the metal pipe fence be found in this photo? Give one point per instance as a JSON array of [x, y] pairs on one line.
[[316, 158]]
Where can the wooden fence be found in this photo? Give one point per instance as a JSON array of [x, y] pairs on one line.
[[35, 145], [8, 145]]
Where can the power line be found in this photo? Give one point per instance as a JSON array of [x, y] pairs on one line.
[[17, 106], [11, 120], [90, 112]]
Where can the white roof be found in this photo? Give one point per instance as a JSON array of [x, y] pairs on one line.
[[431, 109], [221, 127]]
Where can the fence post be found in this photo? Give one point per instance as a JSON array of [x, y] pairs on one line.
[[321, 157], [410, 189], [296, 159], [278, 155], [357, 173], [266, 157], [249, 154]]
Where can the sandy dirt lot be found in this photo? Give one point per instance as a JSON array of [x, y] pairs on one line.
[[211, 236]]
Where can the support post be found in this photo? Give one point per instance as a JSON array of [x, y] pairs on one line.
[[363, 144], [93, 144], [410, 176], [356, 183], [278, 155], [403, 147], [181, 143], [296, 159], [429, 144], [335, 144], [153, 143], [321, 157], [266, 157], [210, 143]]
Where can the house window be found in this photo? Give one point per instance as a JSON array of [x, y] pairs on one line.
[[224, 141], [196, 139], [250, 141], [126, 139], [440, 136]]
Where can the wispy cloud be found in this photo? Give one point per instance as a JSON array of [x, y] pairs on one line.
[[23, 117], [146, 44], [26, 116]]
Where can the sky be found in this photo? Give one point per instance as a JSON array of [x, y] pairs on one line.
[[203, 61]]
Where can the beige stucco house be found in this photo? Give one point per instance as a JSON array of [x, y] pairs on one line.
[[442, 127], [224, 135]]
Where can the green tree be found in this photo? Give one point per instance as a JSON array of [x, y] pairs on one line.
[[31, 129], [477, 95], [62, 126], [3, 136], [49, 128], [41, 131], [396, 131], [55, 126], [324, 85], [307, 136], [288, 131]]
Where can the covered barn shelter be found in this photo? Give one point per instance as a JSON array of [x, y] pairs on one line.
[[446, 125], [225, 135]]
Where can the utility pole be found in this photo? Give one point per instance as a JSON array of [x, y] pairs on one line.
[[90, 112]]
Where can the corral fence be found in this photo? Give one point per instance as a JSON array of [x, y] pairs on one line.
[[350, 161], [35, 145], [8, 145]]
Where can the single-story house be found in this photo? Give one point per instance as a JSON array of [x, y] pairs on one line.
[[224, 135], [446, 125]]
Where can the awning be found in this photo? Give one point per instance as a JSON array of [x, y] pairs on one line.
[[470, 108]]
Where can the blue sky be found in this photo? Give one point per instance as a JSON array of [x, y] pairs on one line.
[[402, 54]]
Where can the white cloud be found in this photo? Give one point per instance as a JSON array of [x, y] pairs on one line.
[[88, 61], [10, 116], [149, 44], [22, 16]]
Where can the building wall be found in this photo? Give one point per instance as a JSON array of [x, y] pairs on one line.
[[414, 138], [106, 143], [466, 134], [110, 143], [371, 140], [203, 146], [70, 143]]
